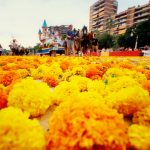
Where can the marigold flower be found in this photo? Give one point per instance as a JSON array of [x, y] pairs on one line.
[[146, 85], [17, 132], [117, 83], [23, 73], [8, 77], [139, 136], [86, 124], [67, 75], [63, 91], [93, 71], [52, 81], [96, 86], [117, 72], [31, 96], [81, 82], [78, 71], [128, 100], [64, 65], [39, 72], [142, 117], [3, 98]]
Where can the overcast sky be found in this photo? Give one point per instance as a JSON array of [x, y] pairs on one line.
[[23, 18]]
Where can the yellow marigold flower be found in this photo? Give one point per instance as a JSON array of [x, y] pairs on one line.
[[142, 117], [79, 71], [55, 69], [86, 124], [17, 132], [23, 73], [82, 82], [139, 136], [40, 71], [67, 75], [63, 91], [115, 84], [91, 96], [129, 100], [96, 86], [113, 73], [31, 96]]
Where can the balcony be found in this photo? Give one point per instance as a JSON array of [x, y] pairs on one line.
[[140, 20], [141, 15], [98, 5]]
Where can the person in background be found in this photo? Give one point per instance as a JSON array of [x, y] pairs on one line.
[[77, 41], [1, 49], [70, 41], [65, 46], [94, 43], [85, 43]]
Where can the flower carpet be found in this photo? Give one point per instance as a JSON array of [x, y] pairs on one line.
[[74, 103]]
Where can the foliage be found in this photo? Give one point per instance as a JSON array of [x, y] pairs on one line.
[[141, 30], [37, 48], [105, 40]]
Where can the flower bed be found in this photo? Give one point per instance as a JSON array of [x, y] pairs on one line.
[[81, 102]]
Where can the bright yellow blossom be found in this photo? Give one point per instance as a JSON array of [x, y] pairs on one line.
[[31, 96], [17, 132]]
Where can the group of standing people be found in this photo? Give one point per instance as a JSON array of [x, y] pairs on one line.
[[80, 42], [17, 49]]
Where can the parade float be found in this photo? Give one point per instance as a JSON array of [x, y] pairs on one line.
[[51, 43]]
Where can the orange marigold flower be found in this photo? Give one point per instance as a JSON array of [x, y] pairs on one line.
[[147, 74], [142, 117], [85, 124], [8, 77], [51, 80], [146, 85], [64, 65], [3, 98], [93, 71]]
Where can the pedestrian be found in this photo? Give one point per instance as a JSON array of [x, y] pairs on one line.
[[94, 43], [70, 40], [77, 41], [1, 49]]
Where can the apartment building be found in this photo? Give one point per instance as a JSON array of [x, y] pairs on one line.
[[100, 12], [130, 17], [62, 30], [125, 19]]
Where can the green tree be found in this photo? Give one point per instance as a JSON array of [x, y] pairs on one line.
[[143, 32], [109, 24], [121, 40], [105, 40], [37, 48], [139, 33]]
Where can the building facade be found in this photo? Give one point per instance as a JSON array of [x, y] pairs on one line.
[[125, 19], [100, 12]]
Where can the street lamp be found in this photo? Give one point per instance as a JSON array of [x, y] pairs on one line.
[[133, 32]]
